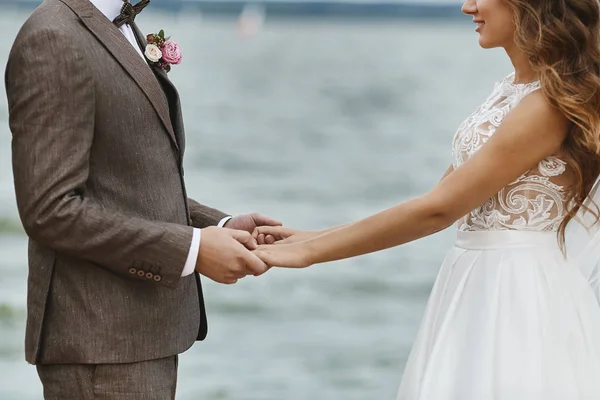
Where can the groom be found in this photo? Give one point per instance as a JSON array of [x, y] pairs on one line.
[[116, 246]]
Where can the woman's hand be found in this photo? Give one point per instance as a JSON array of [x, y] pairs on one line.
[[286, 255], [282, 235]]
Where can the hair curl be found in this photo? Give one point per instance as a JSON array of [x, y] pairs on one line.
[[562, 41]]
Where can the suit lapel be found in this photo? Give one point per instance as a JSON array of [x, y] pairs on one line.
[[173, 94], [170, 91], [114, 41]]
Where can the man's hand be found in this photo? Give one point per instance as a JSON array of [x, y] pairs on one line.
[[249, 222], [225, 255]]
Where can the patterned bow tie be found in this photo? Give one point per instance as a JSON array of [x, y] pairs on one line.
[[129, 12]]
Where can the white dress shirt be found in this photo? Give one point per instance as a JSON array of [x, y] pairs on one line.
[[112, 8]]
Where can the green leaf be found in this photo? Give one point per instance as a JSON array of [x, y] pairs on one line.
[[161, 34]]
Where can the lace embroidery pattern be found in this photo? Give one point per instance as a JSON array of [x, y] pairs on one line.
[[533, 201]]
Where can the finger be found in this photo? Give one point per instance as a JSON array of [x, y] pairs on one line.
[[244, 238], [261, 220], [265, 271], [265, 255], [278, 232], [262, 273], [269, 239], [240, 274], [261, 238], [268, 268], [255, 265], [287, 240]]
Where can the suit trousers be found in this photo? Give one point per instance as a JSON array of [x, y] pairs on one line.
[[146, 380]]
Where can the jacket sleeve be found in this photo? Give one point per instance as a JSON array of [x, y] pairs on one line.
[[203, 216]]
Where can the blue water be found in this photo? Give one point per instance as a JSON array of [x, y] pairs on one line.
[[317, 124]]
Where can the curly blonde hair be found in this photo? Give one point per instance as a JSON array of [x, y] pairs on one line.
[[562, 41]]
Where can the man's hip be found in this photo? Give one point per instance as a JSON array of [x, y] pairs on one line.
[[87, 315]]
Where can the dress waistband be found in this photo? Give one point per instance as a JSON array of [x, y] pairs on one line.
[[488, 240]]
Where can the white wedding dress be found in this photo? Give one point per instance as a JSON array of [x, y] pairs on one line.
[[509, 318]]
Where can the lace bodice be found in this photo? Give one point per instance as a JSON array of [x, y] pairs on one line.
[[536, 200]]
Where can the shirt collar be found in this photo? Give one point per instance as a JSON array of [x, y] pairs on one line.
[[110, 8]]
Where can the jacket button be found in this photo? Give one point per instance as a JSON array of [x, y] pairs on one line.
[[149, 275], [132, 271], [157, 278], [141, 273]]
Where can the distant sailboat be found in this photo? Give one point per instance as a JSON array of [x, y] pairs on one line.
[[251, 20]]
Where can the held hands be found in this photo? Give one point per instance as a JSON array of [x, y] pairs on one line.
[[231, 253], [225, 255], [250, 222], [290, 249], [266, 231]]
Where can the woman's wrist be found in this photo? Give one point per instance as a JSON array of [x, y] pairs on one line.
[[309, 253]]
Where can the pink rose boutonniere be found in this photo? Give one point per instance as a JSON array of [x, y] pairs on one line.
[[162, 51]]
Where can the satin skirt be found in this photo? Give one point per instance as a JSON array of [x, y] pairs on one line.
[[507, 319]]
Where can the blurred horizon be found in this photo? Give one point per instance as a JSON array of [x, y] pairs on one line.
[[354, 9]]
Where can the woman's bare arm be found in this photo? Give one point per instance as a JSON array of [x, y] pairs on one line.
[[533, 131]]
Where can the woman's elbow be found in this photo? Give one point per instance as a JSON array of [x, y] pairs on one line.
[[439, 214]]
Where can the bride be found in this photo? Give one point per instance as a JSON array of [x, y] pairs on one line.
[[512, 314]]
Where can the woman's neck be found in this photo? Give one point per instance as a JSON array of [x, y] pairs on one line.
[[524, 73]]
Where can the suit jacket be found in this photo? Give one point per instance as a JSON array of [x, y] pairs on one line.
[[97, 149]]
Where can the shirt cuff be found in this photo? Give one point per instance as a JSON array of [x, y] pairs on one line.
[[190, 264], [224, 221]]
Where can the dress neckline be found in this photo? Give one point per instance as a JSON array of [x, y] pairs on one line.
[[510, 81], [509, 89]]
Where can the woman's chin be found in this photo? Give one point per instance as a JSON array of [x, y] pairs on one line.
[[486, 44]]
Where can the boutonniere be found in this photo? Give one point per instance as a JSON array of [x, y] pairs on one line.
[[161, 51]]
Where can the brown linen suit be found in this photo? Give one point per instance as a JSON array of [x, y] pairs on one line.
[[97, 148]]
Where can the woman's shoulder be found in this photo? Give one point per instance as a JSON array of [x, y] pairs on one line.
[[536, 113]]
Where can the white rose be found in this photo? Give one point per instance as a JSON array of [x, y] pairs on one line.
[[153, 52]]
